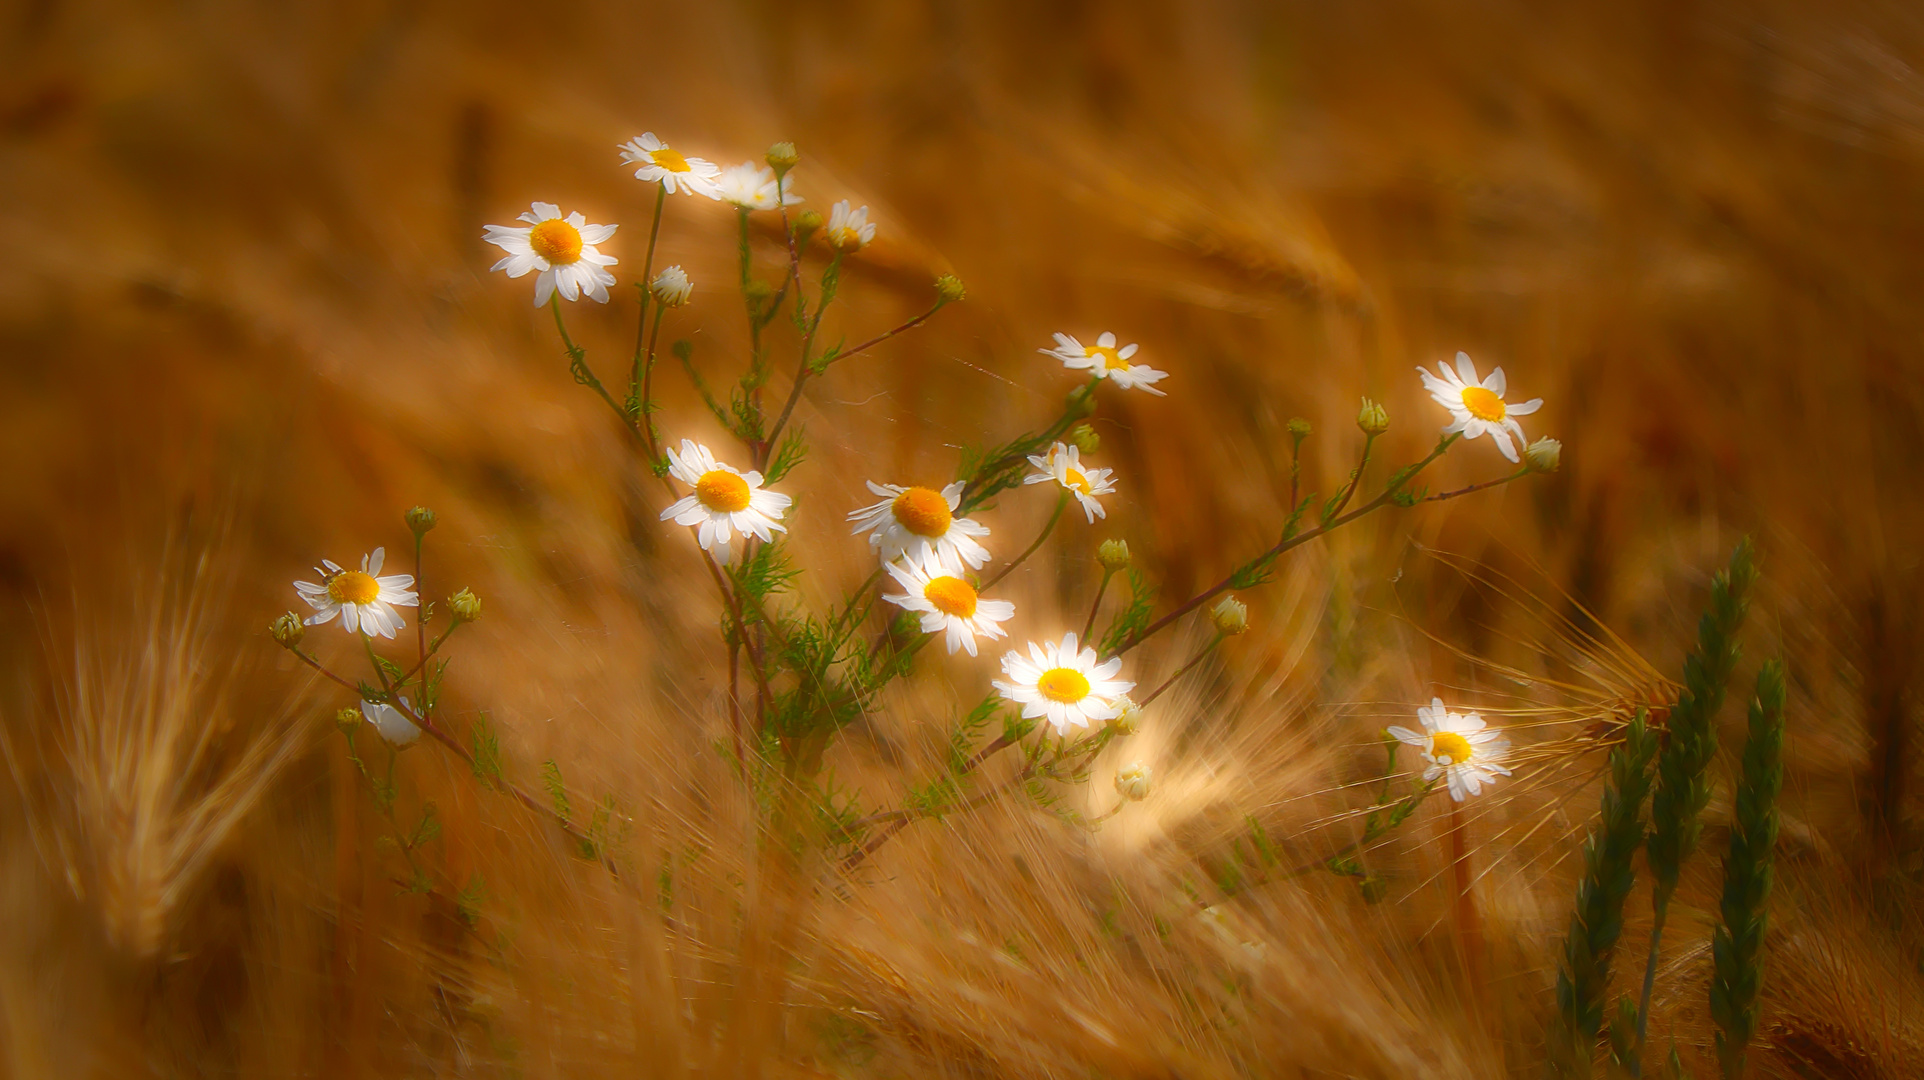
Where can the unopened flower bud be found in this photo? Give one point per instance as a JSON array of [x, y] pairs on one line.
[[1133, 781], [1373, 419], [759, 290], [1544, 455], [1298, 428], [806, 224], [1128, 718], [782, 157], [1230, 615], [465, 605], [950, 288], [288, 630], [348, 720], [1113, 554], [420, 519], [672, 287], [1374, 889], [1082, 401]]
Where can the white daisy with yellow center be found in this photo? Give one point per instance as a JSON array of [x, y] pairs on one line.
[[1106, 360], [1477, 407], [920, 521], [657, 162], [363, 599], [726, 501], [1063, 464], [1459, 747], [1067, 686], [848, 230], [562, 248], [753, 187], [948, 603]]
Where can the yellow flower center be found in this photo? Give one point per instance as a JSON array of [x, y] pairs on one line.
[[556, 241], [951, 596], [1105, 357], [1483, 404], [353, 587], [923, 511], [669, 159], [1448, 744], [719, 489], [1066, 685], [1073, 478]]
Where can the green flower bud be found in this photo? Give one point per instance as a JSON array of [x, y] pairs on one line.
[[348, 720], [1373, 419], [782, 157], [1298, 428], [806, 223], [950, 288], [1544, 455], [1113, 555], [465, 605], [1084, 438], [759, 290], [1230, 615], [288, 630], [1082, 401], [1133, 781], [420, 519]]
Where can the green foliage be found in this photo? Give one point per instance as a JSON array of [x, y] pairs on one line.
[[469, 900], [766, 571], [484, 747], [1682, 786], [1597, 922], [788, 454], [1738, 945], [1134, 616], [557, 791]]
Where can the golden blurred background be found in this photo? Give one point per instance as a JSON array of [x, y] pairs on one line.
[[248, 321]]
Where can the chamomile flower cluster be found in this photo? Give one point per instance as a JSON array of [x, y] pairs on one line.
[[363, 600]]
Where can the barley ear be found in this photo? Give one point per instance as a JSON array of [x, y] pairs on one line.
[[1738, 948]]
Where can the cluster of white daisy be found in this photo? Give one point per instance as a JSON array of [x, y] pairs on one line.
[[927, 540]]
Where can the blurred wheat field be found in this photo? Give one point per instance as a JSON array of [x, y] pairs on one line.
[[248, 322]]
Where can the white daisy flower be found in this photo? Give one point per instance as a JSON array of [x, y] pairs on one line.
[[562, 248], [1458, 747], [752, 187], [1478, 407], [726, 500], [363, 599], [659, 162], [916, 521], [1068, 687], [1106, 361], [948, 603], [1063, 464], [847, 230], [392, 723]]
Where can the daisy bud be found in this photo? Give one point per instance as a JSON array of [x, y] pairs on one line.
[[1298, 429], [1113, 555], [1544, 455], [759, 290], [950, 289], [1373, 419], [1230, 615], [420, 520], [672, 288], [465, 605], [1082, 401], [348, 720], [288, 630], [783, 157], [1133, 781], [1128, 718], [1374, 889], [1084, 438], [806, 224]]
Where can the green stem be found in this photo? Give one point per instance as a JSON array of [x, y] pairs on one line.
[[647, 278], [1061, 501], [1090, 625], [1184, 670], [578, 366]]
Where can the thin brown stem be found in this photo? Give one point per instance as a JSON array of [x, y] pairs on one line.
[[1355, 478], [1387, 496], [1484, 486], [1183, 670], [1089, 626]]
